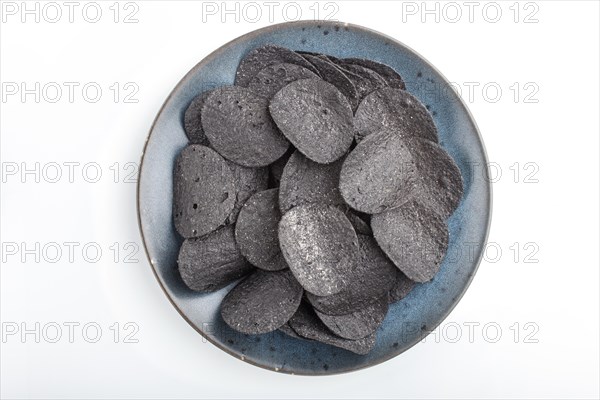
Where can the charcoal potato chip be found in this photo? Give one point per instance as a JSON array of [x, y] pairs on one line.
[[320, 246], [316, 117], [360, 323], [262, 57], [246, 182], [212, 262], [371, 281], [364, 79], [304, 181], [401, 288], [414, 237], [440, 185], [239, 127], [378, 174], [394, 109], [332, 74], [391, 77], [262, 302], [272, 78], [192, 122], [306, 324], [203, 191], [256, 231], [386, 169]]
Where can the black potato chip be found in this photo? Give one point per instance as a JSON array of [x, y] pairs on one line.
[[316, 117], [262, 302], [306, 324], [379, 174], [304, 181], [192, 122], [246, 182], [261, 57], [203, 191], [391, 77], [256, 231], [332, 74], [364, 79], [320, 246], [272, 78], [393, 109], [360, 323], [386, 170], [440, 185], [212, 262], [414, 237], [371, 281], [239, 127]]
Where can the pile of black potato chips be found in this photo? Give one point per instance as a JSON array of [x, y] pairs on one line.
[[321, 183]]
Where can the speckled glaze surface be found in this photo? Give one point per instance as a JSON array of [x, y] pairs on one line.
[[409, 320]]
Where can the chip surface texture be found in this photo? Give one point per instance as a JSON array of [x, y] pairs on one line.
[[304, 181], [256, 231], [239, 127], [414, 237], [320, 246], [211, 262], [262, 302], [379, 174], [203, 191], [316, 117]]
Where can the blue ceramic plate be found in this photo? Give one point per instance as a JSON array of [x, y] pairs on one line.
[[409, 320]]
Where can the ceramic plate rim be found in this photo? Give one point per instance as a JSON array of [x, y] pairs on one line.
[[259, 32]]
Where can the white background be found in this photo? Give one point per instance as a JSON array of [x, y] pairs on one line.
[[545, 287]]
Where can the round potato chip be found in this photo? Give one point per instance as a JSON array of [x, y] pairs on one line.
[[246, 182], [364, 79], [393, 109], [272, 78], [371, 281], [192, 122], [261, 57], [262, 302], [360, 323], [332, 74], [238, 126], [306, 324], [414, 237], [378, 174], [386, 170], [440, 185], [304, 181], [203, 191], [212, 262], [256, 231], [320, 246], [316, 117], [391, 77]]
